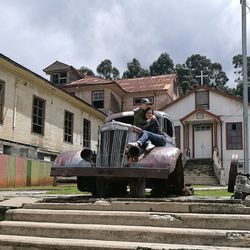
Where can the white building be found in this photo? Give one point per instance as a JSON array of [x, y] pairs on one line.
[[39, 119], [209, 124]]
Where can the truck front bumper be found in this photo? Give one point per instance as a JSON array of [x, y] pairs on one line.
[[129, 172]]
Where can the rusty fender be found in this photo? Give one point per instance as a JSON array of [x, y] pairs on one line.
[[71, 159], [161, 157]]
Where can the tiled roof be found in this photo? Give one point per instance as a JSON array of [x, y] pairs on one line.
[[162, 82], [89, 81]]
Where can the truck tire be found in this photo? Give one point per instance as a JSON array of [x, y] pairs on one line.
[[86, 184], [232, 173], [175, 182], [118, 189], [102, 188], [137, 188]]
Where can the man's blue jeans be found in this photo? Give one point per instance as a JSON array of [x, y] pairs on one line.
[[156, 139]]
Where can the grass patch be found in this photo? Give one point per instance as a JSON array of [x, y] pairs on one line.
[[29, 188], [215, 193], [67, 189]]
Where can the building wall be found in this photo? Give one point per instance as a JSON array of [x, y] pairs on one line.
[[20, 88], [109, 96], [161, 98]]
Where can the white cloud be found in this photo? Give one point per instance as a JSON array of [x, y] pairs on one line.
[[84, 32]]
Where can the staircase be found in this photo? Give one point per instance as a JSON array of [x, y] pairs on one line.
[[141, 225], [200, 171]]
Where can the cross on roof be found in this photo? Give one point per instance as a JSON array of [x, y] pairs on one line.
[[202, 76]]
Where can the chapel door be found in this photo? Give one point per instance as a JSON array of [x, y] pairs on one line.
[[203, 141]]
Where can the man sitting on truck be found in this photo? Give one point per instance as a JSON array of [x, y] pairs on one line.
[[139, 113]]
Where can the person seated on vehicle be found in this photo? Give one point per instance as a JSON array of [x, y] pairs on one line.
[[139, 113], [152, 135]]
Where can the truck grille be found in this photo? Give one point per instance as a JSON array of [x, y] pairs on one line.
[[112, 148]]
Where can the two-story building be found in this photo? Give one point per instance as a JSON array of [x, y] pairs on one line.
[[160, 90], [102, 94], [38, 119], [112, 96]]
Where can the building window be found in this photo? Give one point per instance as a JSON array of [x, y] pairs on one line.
[[177, 130], [168, 127], [68, 126], [234, 135], [38, 115], [2, 89], [98, 99], [202, 99], [136, 101], [86, 133], [59, 78]]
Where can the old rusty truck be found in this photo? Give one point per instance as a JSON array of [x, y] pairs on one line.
[[117, 168]]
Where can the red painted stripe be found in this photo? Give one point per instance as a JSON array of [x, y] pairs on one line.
[[20, 176], [3, 171]]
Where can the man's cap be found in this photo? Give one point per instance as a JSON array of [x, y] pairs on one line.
[[145, 101]]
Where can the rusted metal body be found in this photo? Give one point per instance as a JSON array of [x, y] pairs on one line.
[[113, 160]]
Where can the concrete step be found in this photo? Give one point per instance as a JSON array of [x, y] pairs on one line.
[[178, 205], [201, 180], [11, 242], [159, 219], [163, 235]]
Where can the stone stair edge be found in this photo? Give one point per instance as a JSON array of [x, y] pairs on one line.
[[78, 244]]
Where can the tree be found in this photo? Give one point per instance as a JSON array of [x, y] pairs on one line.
[[115, 73], [135, 70], [213, 75], [162, 66], [104, 69], [238, 64], [185, 77], [107, 71], [86, 71]]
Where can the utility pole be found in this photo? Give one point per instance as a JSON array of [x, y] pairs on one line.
[[245, 87], [201, 76]]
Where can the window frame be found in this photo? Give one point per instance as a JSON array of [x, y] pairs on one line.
[[229, 146], [60, 78], [167, 127], [177, 131], [136, 100], [2, 101], [42, 125], [205, 106], [98, 100], [65, 134], [86, 140]]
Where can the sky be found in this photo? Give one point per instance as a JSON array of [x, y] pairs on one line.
[[36, 33]]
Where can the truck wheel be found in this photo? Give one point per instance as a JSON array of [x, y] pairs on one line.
[[102, 188], [175, 182], [232, 174], [118, 189], [86, 184], [137, 188]]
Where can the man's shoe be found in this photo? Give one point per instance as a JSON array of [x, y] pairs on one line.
[[133, 144], [150, 146]]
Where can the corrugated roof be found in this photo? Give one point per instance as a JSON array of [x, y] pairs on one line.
[[89, 81], [162, 82]]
